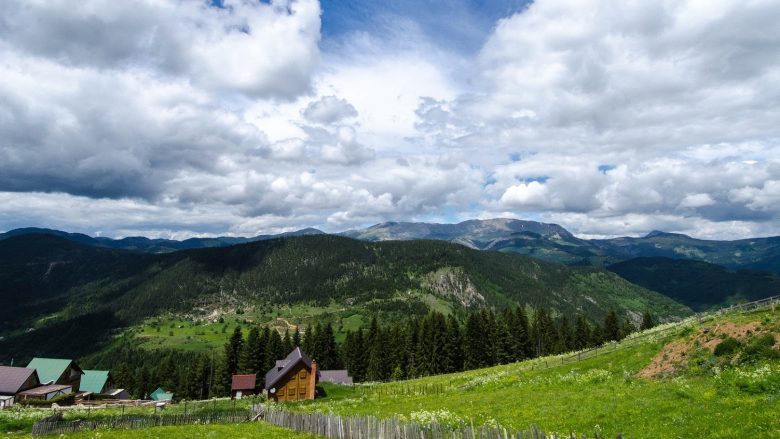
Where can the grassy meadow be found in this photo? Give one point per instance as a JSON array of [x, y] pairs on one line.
[[704, 398]]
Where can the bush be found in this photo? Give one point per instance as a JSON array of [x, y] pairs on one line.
[[59, 400], [727, 347], [760, 348]]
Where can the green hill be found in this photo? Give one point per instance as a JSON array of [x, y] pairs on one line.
[[697, 284], [47, 282], [678, 384]]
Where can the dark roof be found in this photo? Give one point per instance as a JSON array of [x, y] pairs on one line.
[[45, 390], [284, 366], [13, 378], [244, 382], [336, 376]]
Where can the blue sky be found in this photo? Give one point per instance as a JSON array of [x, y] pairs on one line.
[[457, 25], [178, 119]]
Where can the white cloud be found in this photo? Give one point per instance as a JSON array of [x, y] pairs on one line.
[[609, 117]]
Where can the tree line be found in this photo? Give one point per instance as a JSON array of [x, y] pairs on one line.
[[433, 344]]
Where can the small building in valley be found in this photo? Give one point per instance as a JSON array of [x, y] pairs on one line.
[[292, 379], [100, 382], [14, 380], [243, 385], [336, 377], [161, 394], [57, 371]]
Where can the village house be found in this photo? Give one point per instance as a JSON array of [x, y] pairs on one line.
[[336, 377], [243, 385], [100, 382], [292, 379], [14, 380], [161, 395], [57, 371]]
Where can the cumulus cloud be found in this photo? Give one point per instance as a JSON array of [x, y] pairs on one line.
[[608, 117], [328, 110]]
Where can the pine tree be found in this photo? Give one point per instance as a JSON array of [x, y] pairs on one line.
[[296, 338], [233, 351], [611, 331], [412, 334], [474, 346], [581, 333], [544, 333], [287, 343], [504, 342], [273, 350], [251, 354], [523, 347], [647, 321], [454, 347]]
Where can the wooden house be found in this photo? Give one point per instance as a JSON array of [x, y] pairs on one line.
[[14, 380], [57, 371], [243, 385], [292, 379]]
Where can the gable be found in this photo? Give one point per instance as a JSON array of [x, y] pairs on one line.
[[94, 381], [52, 369]]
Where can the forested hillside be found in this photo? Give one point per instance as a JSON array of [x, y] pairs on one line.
[[697, 284], [47, 281]]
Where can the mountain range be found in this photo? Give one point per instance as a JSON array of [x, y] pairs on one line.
[[549, 242], [61, 296]]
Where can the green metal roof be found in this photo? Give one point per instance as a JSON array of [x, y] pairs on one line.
[[161, 395], [93, 381], [49, 369]]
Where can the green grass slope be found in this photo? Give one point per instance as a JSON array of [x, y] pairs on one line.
[[707, 396]]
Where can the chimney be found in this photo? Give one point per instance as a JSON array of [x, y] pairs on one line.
[[312, 380]]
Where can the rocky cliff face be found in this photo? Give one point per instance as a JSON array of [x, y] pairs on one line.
[[453, 283]]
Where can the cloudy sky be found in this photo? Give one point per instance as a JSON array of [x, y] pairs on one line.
[[239, 117]]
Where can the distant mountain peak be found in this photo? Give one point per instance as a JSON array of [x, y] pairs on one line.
[[658, 233]]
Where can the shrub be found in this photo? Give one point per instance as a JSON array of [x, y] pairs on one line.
[[59, 400], [727, 347], [760, 348]]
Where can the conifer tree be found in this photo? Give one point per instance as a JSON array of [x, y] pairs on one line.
[[454, 347], [611, 330], [287, 343], [251, 354], [273, 350], [518, 327], [647, 321], [581, 333], [296, 338], [474, 345]]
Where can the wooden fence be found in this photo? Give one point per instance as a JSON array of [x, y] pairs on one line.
[[59, 426], [368, 427]]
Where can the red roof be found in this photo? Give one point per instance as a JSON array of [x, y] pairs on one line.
[[244, 382]]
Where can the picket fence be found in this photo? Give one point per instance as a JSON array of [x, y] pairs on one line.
[[368, 427], [58, 426]]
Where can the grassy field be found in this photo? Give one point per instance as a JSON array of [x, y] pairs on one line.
[[704, 398], [258, 430]]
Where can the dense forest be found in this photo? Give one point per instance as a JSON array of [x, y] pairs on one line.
[[434, 344], [51, 286]]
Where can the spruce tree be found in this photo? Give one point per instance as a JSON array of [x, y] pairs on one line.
[[454, 347], [251, 353], [521, 334], [611, 330], [273, 350], [647, 321], [287, 343], [581, 333], [474, 345]]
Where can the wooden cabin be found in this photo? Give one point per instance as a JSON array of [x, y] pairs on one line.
[[292, 379], [45, 393], [243, 385]]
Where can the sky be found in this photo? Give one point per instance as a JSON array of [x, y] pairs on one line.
[[191, 118]]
